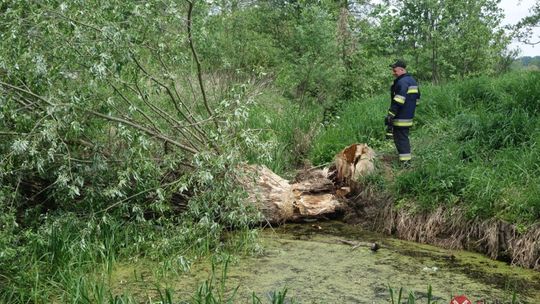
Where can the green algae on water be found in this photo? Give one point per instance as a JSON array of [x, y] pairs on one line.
[[316, 266]]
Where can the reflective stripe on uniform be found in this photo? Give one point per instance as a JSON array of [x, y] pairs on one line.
[[399, 99], [403, 122], [412, 90], [405, 156]]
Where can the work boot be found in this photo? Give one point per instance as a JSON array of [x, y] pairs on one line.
[[405, 164]]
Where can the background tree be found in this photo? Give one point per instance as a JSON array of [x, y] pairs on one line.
[[524, 28], [446, 39]]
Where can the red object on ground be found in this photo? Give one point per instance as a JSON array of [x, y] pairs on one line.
[[460, 300]]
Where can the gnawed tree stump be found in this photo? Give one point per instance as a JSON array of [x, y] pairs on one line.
[[279, 201], [269, 193], [315, 196], [352, 163]]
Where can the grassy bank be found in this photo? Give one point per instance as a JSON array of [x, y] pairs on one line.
[[475, 145], [286, 127]]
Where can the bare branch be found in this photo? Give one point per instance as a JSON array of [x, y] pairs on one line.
[[190, 118], [198, 63], [167, 89], [137, 194], [166, 68], [19, 89], [167, 117], [77, 22], [25, 103], [156, 128], [144, 129], [164, 115], [161, 84], [8, 133]]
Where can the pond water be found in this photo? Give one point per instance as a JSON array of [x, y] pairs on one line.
[[316, 266]]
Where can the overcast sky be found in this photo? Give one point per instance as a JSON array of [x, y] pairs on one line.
[[514, 11]]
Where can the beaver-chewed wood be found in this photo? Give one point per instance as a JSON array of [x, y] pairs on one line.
[[279, 201], [315, 195]]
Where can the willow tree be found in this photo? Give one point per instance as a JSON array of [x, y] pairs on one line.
[[108, 102]]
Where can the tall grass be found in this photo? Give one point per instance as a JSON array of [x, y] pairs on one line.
[[357, 122], [475, 145], [412, 299], [286, 127], [71, 260]]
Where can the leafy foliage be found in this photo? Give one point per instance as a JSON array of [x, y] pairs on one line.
[[524, 28], [447, 39], [474, 146], [100, 133], [123, 124]]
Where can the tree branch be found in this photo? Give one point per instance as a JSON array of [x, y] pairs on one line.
[[167, 117], [137, 194], [19, 89], [144, 129], [166, 68], [8, 133], [161, 84], [189, 117], [156, 128], [198, 63]]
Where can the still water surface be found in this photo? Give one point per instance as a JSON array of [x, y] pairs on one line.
[[316, 266]]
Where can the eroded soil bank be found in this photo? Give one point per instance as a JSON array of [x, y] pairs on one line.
[[448, 228]]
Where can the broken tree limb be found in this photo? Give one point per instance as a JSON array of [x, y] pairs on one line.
[[371, 246]]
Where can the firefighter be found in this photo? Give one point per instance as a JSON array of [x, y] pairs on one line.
[[405, 96]]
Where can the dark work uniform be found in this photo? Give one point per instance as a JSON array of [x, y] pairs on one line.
[[405, 96]]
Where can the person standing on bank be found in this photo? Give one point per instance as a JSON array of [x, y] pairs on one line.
[[405, 96]]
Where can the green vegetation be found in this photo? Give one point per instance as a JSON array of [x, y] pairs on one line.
[[410, 299], [475, 145], [123, 124], [287, 130], [527, 63]]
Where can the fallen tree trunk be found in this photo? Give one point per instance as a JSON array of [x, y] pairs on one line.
[[279, 201], [320, 192]]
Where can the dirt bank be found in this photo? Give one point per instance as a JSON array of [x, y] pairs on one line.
[[448, 228]]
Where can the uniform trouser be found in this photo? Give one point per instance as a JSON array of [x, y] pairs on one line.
[[403, 146]]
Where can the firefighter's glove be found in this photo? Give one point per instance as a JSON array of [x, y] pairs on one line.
[[388, 120]]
